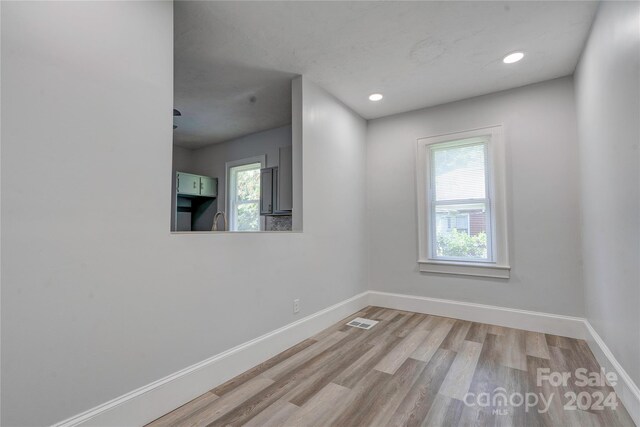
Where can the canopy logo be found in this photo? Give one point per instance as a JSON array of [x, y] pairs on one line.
[[501, 402]]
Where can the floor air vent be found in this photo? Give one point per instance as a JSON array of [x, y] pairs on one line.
[[361, 323]]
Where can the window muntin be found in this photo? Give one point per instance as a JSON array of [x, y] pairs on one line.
[[244, 197], [459, 201]]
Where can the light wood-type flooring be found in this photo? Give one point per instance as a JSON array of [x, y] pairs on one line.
[[410, 369]]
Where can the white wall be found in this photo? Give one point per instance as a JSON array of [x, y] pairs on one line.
[[98, 297], [608, 105], [542, 172]]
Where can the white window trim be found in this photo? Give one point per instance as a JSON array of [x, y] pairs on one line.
[[498, 266], [262, 159]]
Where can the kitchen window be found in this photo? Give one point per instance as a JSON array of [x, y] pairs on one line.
[[461, 204], [243, 194]]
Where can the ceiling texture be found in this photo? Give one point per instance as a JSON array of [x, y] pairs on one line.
[[234, 61]]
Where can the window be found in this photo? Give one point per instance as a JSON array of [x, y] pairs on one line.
[[243, 194], [458, 189], [461, 204]]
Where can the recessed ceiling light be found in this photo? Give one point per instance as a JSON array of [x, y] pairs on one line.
[[513, 57], [375, 97]]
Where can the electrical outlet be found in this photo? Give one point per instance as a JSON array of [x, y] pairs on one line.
[[296, 305]]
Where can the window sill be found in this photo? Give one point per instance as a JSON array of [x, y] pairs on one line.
[[465, 269]]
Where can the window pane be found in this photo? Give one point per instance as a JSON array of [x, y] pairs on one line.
[[459, 172], [248, 218], [248, 184], [461, 231]]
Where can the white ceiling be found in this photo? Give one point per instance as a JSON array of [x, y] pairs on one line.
[[417, 54]]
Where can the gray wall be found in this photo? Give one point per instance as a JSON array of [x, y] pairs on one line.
[[542, 176], [98, 297], [608, 105]]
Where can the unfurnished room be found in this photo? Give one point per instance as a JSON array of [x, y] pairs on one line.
[[319, 213]]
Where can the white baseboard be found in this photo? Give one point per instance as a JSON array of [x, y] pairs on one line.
[[625, 388], [147, 403], [535, 321], [154, 400]]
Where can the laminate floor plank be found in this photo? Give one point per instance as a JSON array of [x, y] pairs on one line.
[[581, 356], [445, 411], [316, 411], [456, 335], [432, 321], [498, 330], [386, 400], [558, 341], [285, 384], [376, 312], [354, 373], [302, 356], [486, 375], [369, 310], [397, 356], [229, 402], [513, 349], [414, 322], [477, 332], [536, 345], [458, 379], [515, 383], [389, 330], [550, 412], [410, 369], [275, 415], [415, 406], [323, 376], [384, 329], [469, 416], [223, 389], [245, 410], [396, 390], [389, 314], [360, 399], [436, 336]]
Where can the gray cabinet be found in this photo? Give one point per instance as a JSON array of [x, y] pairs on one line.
[[276, 186], [284, 202], [266, 191], [271, 202], [188, 184]]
